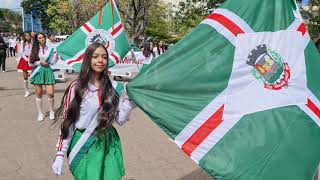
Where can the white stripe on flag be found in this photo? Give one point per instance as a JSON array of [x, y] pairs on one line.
[[90, 26], [87, 28], [227, 24], [221, 29], [115, 57], [295, 24], [235, 18], [314, 112], [118, 28], [298, 25], [213, 138], [84, 30], [72, 61], [306, 39], [200, 119]]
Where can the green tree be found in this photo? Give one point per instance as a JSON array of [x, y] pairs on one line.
[[1, 15], [158, 25], [135, 14], [311, 14], [62, 15], [191, 12], [67, 16], [10, 21]]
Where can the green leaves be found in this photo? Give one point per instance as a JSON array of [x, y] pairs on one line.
[[191, 12], [10, 21]]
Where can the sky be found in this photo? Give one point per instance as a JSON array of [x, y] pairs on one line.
[[9, 4]]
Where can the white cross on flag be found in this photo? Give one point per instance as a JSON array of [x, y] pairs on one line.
[[240, 94], [109, 32]]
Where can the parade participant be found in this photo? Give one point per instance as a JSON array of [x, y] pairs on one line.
[[23, 63], [42, 75], [145, 56], [90, 106], [160, 48], [51, 41], [12, 46], [3, 48], [153, 49], [32, 34]]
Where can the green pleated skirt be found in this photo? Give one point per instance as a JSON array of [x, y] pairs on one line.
[[43, 76], [102, 159]]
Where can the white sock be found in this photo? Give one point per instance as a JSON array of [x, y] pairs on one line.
[[39, 105], [51, 104], [25, 85]]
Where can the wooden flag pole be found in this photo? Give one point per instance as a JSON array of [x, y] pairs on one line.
[[112, 13], [100, 15]]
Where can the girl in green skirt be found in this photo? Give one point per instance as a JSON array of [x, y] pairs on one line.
[[42, 75], [90, 106]]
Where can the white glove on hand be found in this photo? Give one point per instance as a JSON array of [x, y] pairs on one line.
[[57, 165]]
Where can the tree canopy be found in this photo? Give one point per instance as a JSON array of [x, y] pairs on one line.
[[10, 21], [311, 14]]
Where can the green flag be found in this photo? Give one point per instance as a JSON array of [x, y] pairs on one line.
[[240, 93], [109, 32]]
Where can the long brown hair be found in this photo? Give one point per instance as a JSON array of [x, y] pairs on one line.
[[35, 48], [107, 112], [25, 40]]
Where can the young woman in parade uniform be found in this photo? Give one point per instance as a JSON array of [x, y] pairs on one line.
[[90, 106], [42, 75], [24, 61], [145, 55], [160, 48]]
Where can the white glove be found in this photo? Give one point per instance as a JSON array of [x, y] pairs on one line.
[[57, 165]]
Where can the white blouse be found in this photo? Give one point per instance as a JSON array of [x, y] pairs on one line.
[[44, 53], [25, 52], [88, 109], [142, 59]]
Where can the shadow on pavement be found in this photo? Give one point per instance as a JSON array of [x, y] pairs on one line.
[[4, 88], [198, 174]]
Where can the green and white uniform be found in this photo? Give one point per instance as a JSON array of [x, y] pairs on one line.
[[40, 74], [92, 157]]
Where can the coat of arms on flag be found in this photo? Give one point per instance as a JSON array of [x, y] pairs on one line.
[[268, 66], [240, 94], [108, 30]]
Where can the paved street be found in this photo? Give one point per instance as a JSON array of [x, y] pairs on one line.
[[28, 146]]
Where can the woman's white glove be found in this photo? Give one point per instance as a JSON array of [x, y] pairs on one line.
[[57, 165]]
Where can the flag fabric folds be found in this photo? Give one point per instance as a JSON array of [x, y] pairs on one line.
[[240, 93], [108, 30]]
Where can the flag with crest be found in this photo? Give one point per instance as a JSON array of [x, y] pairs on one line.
[[240, 93], [106, 28]]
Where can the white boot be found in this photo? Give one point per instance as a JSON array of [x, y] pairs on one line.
[[26, 88], [51, 105], [39, 108], [40, 117]]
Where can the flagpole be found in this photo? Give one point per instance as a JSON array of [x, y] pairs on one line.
[[112, 14]]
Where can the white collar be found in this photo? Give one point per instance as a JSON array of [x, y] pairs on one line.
[[92, 87]]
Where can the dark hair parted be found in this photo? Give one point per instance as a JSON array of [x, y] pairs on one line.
[[108, 110], [146, 49], [24, 39], [35, 48]]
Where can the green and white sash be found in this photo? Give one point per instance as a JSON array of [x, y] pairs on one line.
[[36, 71], [83, 144]]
